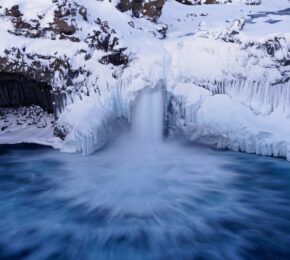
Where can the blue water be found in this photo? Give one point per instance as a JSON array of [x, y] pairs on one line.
[[171, 201]]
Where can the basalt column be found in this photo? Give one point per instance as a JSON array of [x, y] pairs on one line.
[[18, 91]]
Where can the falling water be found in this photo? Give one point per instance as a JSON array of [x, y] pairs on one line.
[[147, 123], [136, 200]]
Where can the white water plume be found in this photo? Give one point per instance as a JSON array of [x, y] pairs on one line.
[[147, 122]]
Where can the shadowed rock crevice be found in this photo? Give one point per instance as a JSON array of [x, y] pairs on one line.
[[18, 91]]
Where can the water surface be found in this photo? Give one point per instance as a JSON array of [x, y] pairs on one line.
[[169, 201]]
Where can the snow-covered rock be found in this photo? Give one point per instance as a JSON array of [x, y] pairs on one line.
[[226, 68], [226, 123]]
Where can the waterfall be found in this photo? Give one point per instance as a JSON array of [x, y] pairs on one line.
[[147, 121]]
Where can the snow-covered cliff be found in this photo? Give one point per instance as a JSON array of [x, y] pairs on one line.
[[225, 67]]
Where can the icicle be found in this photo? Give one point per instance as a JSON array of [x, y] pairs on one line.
[[260, 95]]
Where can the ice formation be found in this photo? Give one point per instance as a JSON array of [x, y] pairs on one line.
[[225, 69]]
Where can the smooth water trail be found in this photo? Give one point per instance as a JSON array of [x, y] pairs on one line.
[[147, 123]]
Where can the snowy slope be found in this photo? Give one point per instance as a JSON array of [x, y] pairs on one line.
[[225, 68]]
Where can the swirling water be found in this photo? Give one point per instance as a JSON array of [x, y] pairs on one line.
[[142, 198], [171, 201]]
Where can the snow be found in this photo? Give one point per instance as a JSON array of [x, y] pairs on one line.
[[226, 83], [244, 130], [31, 135], [29, 8], [225, 123], [88, 123], [27, 125], [191, 93]]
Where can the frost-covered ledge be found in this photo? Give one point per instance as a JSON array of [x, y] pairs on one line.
[[232, 95], [226, 123]]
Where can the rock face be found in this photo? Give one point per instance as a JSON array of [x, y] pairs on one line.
[[150, 9], [125, 5], [19, 91], [61, 26], [206, 2]]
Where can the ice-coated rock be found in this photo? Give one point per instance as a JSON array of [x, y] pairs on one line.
[[225, 68]]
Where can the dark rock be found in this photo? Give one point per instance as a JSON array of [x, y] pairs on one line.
[[83, 12], [104, 39], [14, 11], [60, 132], [140, 8], [17, 91], [163, 31], [117, 59], [253, 2], [151, 10], [61, 26], [200, 2], [125, 5], [273, 45]]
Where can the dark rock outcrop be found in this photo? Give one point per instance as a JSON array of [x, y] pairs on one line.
[[62, 26], [116, 58], [60, 131], [106, 40], [17, 91], [150, 9], [125, 5], [253, 2], [200, 2], [209, 2]]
